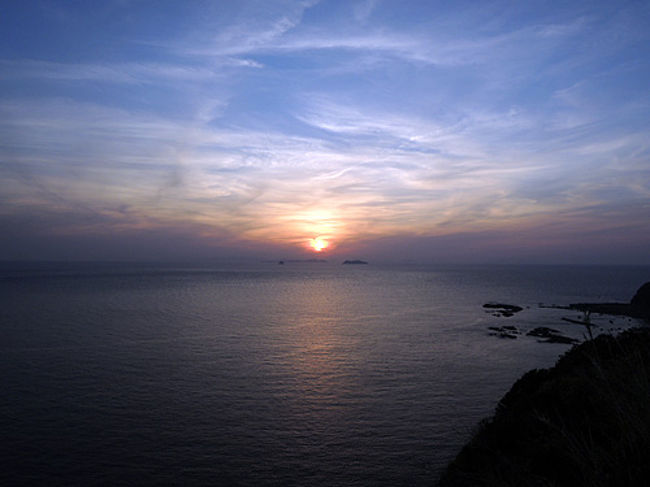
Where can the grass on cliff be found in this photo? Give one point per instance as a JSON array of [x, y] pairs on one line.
[[584, 422]]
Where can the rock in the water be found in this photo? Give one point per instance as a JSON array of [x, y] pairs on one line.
[[542, 332], [503, 334], [560, 339], [504, 309], [504, 331], [551, 335]]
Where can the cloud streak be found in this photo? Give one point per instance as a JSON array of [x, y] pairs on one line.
[[272, 125]]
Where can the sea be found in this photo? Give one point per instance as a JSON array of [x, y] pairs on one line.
[[262, 374]]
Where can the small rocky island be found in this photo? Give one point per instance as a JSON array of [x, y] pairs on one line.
[[353, 262]]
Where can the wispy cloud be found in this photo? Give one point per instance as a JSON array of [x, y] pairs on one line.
[[231, 178], [280, 121], [118, 72]]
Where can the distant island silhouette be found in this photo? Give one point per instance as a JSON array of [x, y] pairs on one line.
[[354, 262], [296, 261]]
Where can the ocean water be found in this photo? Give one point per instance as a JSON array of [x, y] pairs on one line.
[[301, 374]]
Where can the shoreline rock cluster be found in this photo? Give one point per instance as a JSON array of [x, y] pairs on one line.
[[638, 307], [505, 310], [548, 335], [501, 310]]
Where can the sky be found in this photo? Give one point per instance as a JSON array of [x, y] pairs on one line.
[[424, 131]]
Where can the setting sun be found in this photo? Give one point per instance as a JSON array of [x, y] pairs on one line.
[[318, 244]]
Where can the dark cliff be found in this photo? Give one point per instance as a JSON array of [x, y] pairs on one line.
[[584, 422]]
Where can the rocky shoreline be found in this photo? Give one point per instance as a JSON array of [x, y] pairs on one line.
[[583, 422], [638, 308]]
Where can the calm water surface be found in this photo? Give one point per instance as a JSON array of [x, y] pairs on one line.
[[302, 374]]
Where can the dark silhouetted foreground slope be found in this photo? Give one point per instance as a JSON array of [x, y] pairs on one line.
[[584, 422]]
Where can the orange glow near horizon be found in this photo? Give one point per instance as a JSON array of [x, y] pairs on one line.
[[318, 244]]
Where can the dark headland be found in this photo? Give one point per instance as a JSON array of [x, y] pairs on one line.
[[583, 422], [638, 307], [346, 262]]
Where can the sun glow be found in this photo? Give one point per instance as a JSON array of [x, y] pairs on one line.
[[318, 244]]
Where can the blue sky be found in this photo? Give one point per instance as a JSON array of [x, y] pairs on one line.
[[464, 131]]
